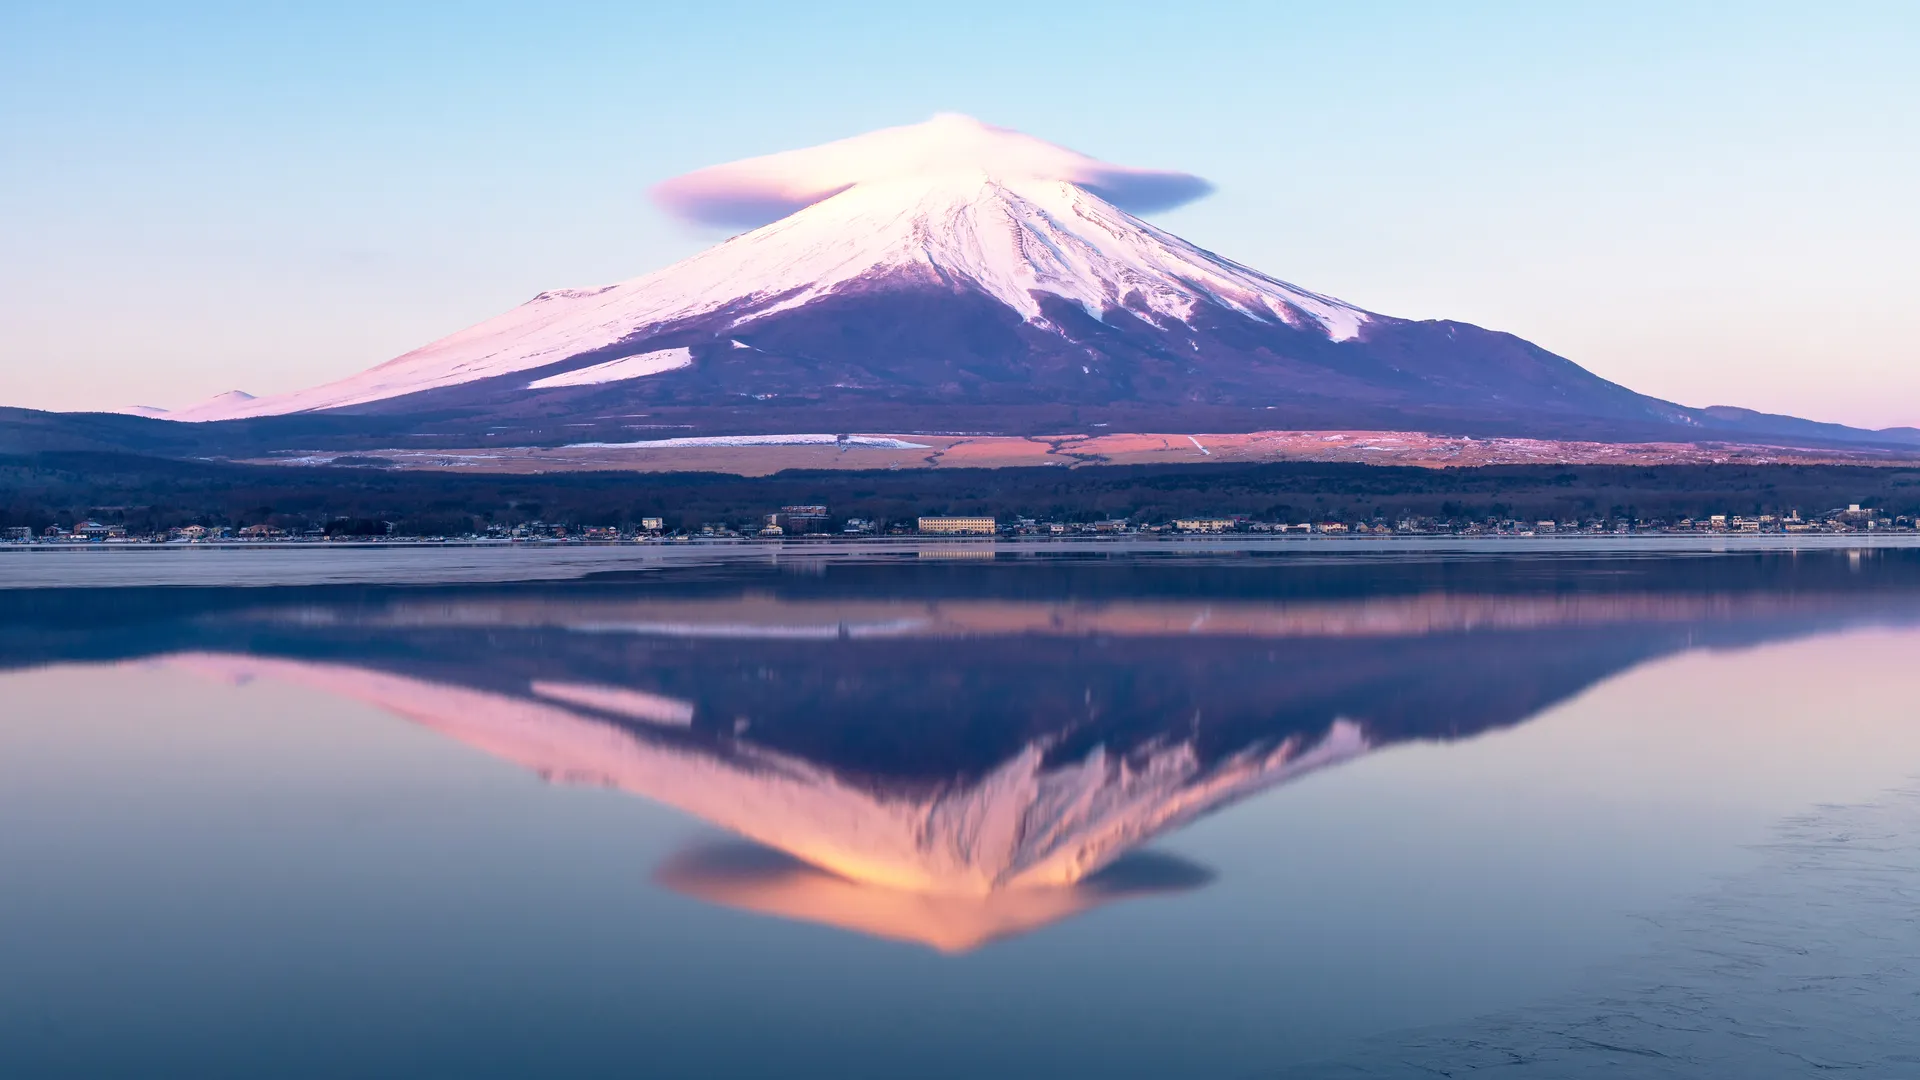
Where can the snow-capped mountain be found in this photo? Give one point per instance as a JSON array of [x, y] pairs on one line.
[[953, 276], [1013, 240]]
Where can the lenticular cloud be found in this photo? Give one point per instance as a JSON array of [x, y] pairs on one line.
[[753, 192]]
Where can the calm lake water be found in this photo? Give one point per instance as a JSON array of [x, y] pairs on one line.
[[1550, 810]]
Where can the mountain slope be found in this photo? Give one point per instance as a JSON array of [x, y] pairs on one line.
[[1011, 242]]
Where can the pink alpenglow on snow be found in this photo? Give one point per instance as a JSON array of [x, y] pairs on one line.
[[627, 367], [1031, 823], [757, 191], [951, 201]]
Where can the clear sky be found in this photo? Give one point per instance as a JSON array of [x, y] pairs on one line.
[[1714, 203]]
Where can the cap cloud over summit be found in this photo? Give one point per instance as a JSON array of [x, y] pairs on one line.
[[760, 190]]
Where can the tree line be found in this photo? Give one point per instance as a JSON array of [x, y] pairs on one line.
[[148, 494]]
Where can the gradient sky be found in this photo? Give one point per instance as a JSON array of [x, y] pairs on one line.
[[1710, 203]]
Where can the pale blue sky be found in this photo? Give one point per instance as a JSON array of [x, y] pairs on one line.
[[1713, 203]]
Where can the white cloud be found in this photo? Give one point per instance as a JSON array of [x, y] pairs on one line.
[[753, 192]]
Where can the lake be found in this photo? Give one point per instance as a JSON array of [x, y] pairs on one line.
[[1552, 809]]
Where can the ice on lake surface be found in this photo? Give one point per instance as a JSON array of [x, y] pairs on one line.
[[1542, 811]]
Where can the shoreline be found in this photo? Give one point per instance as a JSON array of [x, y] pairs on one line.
[[1684, 540], [269, 565]]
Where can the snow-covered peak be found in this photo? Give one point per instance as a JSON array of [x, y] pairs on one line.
[[761, 190], [1009, 238]]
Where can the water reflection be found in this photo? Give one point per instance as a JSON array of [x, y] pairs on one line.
[[954, 755], [951, 862]]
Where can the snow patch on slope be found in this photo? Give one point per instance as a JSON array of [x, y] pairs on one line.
[[627, 367], [619, 700]]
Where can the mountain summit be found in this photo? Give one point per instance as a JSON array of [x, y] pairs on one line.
[[956, 276]]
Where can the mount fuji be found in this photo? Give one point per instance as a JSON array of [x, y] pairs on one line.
[[951, 276]]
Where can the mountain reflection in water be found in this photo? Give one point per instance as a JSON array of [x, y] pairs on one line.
[[951, 862], [954, 754]]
